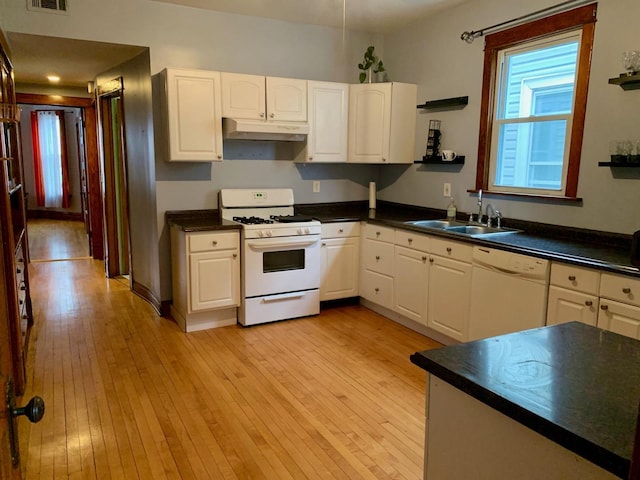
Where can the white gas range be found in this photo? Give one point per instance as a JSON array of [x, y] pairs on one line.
[[280, 255]]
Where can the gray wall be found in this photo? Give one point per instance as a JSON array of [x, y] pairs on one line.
[[431, 54], [428, 52]]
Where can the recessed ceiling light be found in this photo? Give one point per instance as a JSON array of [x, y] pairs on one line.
[[53, 78]]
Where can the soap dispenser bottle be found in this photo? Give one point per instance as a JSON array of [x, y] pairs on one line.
[[451, 211]]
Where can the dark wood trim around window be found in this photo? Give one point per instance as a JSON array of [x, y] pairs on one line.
[[584, 18]]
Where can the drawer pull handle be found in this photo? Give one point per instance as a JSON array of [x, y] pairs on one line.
[[604, 307], [588, 303], [572, 278], [448, 249], [18, 270], [409, 240], [377, 234], [626, 290], [235, 255], [324, 244], [424, 258], [377, 289], [23, 287], [431, 260], [341, 230], [377, 257]]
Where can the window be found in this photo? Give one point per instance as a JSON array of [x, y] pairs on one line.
[[533, 106]]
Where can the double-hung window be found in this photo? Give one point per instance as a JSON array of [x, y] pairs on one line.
[[533, 106]]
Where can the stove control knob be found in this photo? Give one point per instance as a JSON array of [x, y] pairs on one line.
[[260, 233], [307, 231], [269, 233]]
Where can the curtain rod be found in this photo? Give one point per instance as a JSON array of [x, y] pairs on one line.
[[469, 37]]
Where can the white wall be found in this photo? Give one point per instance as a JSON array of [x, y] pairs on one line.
[[431, 54]]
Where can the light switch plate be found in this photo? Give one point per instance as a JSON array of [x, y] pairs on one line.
[[316, 186], [446, 192]]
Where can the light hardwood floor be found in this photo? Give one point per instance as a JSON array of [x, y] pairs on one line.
[[56, 240], [130, 396]]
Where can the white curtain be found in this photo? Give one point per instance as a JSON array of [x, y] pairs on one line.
[[51, 153]]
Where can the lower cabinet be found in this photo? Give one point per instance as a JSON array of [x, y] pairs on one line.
[[449, 297], [205, 278], [411, 283], [377, 265], [568, 306], [340, 257], [620, 305]]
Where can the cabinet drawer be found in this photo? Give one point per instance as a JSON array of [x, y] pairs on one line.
[[376, 232], [377, 288], [454, 250], [204, 242], [621, 288], [378, 257], [341, 229], [575, 278], [406, 238]]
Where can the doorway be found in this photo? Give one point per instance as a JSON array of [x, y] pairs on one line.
[[116, 201]]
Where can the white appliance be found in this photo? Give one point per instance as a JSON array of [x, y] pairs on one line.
[[280, 255], [242, 129], [508, 292]]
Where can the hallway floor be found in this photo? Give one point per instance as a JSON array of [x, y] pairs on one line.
[[128, 395], [51, 240]]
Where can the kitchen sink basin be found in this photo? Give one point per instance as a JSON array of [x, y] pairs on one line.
[[479, 230], [439, 224]]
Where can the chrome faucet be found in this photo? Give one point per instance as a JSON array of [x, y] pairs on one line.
[[480, 206]]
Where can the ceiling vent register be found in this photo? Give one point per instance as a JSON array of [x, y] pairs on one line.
[[51, 6]]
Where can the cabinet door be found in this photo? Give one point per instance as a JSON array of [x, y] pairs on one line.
[[340, 261], [449, 297], [619, 318], [369, 122], [214, 280], [568, 306], [411, 283], [286, 99], [377, 288], [243, 96], [378, 256], [194, 115], [328, 121]]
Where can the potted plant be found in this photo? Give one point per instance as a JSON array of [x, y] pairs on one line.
[[370, 64]]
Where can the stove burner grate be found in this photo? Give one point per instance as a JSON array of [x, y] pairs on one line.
[[251, 220]]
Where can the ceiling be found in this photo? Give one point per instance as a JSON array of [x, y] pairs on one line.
[[78, 62]]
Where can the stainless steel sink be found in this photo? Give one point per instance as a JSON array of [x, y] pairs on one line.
[[479, 230], [438, 224]]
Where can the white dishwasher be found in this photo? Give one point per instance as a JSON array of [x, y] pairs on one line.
[[508, 292]]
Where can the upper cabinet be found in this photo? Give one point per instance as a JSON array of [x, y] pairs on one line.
[[382, 122], [255, 97], [327, 104], [194, 115]]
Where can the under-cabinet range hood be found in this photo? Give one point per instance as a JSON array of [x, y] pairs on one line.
[[241, 129]]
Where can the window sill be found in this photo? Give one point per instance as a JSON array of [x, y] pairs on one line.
[[530, 196]]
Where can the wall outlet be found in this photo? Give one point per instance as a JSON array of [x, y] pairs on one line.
[[446, 192], [316, 186]]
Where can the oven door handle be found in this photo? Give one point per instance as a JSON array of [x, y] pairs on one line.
[[283, 296], [281, 243]]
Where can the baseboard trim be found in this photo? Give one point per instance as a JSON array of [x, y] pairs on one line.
[[55, 215], [146, 294]]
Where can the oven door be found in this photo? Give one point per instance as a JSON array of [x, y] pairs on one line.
[[281, 265]]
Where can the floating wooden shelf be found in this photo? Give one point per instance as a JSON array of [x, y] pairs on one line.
[[622, 165], [459, 160], [627, 82], [460, 102]]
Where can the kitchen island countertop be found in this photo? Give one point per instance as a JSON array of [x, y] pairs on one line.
[[576, 385]]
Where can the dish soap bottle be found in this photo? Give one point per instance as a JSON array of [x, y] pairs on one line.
[[451, 211]]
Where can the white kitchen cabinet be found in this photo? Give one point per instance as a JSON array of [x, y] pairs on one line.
[[327, 108], [573, 295], [205, 278], [340, 254], [256, 97], [620, 305], [382, 122], [411, 275], [449, 288], [377, 265], [194, 115]]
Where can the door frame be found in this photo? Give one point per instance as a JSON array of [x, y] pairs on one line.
[[94, 188]]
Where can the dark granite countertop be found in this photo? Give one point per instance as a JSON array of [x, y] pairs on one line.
[[199, 220], [575, 384], [587, 248]]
